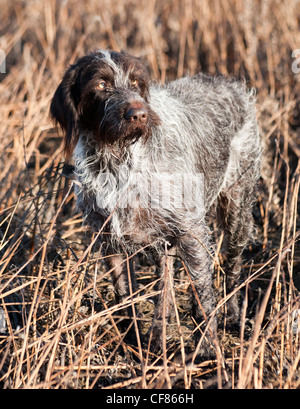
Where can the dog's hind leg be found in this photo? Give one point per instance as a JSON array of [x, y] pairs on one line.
[[235, 215]]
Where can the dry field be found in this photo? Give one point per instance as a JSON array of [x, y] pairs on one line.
[[57, 313]]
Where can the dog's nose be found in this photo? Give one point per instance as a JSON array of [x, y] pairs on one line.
[[136, 115]]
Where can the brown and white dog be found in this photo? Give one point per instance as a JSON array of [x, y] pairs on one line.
[[151, 160]]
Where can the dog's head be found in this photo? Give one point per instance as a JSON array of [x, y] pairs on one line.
[[106, 93]]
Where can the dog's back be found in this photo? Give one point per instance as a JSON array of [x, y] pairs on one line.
[[208, 126]]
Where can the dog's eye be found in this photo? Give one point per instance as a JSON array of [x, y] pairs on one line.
[[102, 86], [134, 83]]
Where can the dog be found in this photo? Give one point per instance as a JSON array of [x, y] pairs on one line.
[[151, 160]]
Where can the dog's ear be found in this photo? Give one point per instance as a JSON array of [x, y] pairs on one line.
[[63, 109]]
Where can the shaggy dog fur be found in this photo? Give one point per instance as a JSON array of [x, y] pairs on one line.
[[151, 160]]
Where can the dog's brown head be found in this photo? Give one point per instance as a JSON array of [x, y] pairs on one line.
[[106, 93]]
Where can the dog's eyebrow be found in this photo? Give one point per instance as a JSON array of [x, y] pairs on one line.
[[106, 57], [105, 73], [120, 75]]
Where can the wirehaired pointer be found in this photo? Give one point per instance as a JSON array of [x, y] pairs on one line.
[[151, 160]]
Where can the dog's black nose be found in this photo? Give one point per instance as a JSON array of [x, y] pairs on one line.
[[136, 115]]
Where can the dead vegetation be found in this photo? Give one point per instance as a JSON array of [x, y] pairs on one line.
[[58, 319]]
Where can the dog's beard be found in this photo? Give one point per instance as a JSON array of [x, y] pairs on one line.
[[122, 134], [116, 131]]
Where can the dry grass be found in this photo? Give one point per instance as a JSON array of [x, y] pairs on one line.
[[61, 327]]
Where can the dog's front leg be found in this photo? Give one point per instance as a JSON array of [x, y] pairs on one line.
[[121, 269], [196, 254], [164, 300]]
